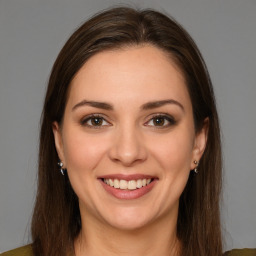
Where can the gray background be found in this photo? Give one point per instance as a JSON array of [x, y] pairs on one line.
[[31, 34]]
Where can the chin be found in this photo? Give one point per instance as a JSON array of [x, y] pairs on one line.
[[129, 225], [129, 219]]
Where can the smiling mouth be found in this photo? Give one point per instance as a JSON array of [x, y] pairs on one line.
[[127, 184]]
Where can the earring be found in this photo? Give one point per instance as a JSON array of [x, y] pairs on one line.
[[60, 164], [196, 163]]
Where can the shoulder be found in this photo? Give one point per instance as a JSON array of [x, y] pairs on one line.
[[241, 252], [22, 251]]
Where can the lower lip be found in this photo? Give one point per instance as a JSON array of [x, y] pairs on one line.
[[128, 194]]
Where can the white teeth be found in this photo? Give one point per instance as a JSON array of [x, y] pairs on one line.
[[130, 185], [123, 184], [111, 182], [116, 183], [139, 183]]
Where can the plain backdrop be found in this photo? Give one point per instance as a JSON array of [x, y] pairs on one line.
[[31, 34]]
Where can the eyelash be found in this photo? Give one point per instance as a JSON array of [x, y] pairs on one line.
[[85, 121], [167, 118]]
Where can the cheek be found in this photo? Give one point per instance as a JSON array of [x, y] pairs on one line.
[[82, 151], [83, 154], [174, 151]]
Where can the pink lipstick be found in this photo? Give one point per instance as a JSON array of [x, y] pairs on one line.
[[128, 186]]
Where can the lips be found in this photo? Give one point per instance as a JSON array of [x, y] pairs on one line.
[[128, 186]]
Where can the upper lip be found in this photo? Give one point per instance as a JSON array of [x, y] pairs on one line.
[[127, 177]]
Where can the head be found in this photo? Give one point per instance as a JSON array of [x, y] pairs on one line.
[[115, 30]]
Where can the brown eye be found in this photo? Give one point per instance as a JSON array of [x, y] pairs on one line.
[[95, 122], [159, 121]]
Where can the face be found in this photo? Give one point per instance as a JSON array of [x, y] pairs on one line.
[[128, 139]]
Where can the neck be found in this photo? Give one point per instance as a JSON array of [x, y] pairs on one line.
[[96, 239]]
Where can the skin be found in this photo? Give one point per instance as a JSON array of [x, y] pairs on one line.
[[129, 140]]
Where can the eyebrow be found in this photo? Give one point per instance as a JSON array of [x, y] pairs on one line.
[[157, 104], [146, 106], [95, 104]]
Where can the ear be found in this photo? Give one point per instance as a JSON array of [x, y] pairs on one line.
[[58, 141], [200, 143]]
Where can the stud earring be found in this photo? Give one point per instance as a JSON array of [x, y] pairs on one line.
[[60, 164], [196, 163]]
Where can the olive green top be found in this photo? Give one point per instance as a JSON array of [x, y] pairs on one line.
[[22, 251], [241, 252], [27, 251]]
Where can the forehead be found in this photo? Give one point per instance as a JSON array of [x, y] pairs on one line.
[[129, 72]]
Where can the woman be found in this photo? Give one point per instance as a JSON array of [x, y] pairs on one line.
[[130, 156]]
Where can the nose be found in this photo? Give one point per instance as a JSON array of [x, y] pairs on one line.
[[128, 147]]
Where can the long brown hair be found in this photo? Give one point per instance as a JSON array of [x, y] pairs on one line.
[[56, 220]]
